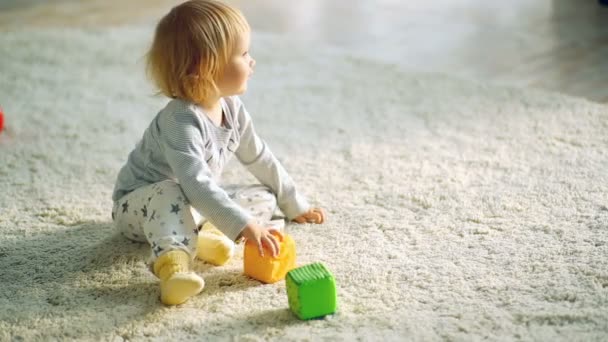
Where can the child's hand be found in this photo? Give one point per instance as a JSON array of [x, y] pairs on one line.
[[262, 236], [314, 215]]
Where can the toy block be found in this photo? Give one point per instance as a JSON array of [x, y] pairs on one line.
[[1, 119], [269, 269], [311, 291]]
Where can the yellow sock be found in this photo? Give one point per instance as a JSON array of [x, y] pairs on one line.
[[177, 282], [213, 246]]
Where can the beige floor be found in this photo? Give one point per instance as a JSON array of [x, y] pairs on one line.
[[554, 44]]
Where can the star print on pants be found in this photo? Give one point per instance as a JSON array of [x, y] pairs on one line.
[[144, 211], [152, 216], [186, 241], [125, 206], [175, 208]]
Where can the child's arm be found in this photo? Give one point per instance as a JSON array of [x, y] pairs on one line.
[[254, 154]]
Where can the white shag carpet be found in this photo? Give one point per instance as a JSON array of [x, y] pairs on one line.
[[457, 210]]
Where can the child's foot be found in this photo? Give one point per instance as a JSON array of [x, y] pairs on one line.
[[177, 282], [213, 246], [180, 287]]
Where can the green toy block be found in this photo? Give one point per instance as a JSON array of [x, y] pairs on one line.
[[311, 291]]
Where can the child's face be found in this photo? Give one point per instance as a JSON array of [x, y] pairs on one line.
[[238, 70]]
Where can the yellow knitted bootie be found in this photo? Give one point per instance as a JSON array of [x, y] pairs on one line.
[[177, 282], [213, 246]]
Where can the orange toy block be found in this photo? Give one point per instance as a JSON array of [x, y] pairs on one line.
[[267, 268]]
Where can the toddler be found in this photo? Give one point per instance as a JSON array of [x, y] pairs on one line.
[[169, 193]]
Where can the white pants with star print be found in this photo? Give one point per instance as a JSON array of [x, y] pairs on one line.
[[160, 214]]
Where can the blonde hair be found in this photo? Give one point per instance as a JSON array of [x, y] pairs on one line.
[[192, 45]]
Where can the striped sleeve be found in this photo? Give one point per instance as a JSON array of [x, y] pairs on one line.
[[182, 142], [255, 155]]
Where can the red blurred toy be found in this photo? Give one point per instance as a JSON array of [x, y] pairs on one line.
[[1, 119]]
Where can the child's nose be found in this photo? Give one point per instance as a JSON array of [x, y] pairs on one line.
[[252, 63]]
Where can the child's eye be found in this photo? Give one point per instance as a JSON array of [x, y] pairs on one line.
[[245, 53]]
